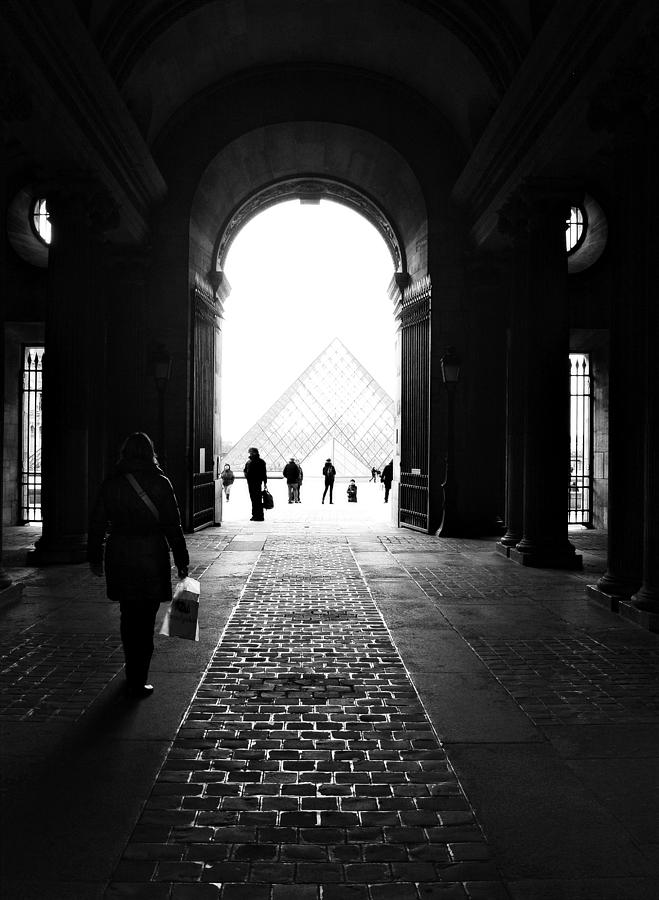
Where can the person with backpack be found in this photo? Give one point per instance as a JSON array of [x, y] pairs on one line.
[[330, 474]]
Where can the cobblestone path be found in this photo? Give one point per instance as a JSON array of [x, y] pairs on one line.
[[306, 768]]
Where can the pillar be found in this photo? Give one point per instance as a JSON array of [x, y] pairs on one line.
[[644, 607], [544, 355], [66, 394], [619, 109], [512, 221]]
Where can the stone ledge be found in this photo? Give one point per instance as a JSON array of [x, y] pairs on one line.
[[641, 617], [608, 601]]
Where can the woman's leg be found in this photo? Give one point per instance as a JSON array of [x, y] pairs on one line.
[[138, 619]]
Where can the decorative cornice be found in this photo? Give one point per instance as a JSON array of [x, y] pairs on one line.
[[415, 305], [204, 303]]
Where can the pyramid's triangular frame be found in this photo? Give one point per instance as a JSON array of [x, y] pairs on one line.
[[334, 398]]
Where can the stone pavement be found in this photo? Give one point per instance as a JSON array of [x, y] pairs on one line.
[[371, 713]]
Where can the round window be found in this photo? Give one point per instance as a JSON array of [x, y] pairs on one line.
[[575, 229], [41, 221]]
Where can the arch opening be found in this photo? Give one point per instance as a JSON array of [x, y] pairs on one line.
[[323, 340]]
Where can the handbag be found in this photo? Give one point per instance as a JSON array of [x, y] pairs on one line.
[[182, 618], [266, 499]]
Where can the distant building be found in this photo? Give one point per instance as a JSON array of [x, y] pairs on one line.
[[335, 408]]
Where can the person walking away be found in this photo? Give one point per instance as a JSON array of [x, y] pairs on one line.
[[374, 473], [299, 481], [256, 475], [228, 479], [291, 473], [387, 478], [330, 474], [352, 491], [134, 524]]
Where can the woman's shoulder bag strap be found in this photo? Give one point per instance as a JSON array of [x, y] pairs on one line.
[[142, 494]]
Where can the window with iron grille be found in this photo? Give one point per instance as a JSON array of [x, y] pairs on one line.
[[580, 490], [31, 384]]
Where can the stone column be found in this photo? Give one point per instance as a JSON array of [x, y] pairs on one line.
[[546, 399], [66, 395], [516, 367], [618, 108], [645, 602]]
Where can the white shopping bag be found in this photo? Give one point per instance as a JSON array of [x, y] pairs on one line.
[[182, 617]]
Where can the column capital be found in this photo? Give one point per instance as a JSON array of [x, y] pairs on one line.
[[535, 203], [75, 199]]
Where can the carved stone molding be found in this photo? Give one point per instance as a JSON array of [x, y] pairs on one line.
[[415, 305], [312, 189]]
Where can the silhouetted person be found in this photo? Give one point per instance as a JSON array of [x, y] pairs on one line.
[[374, 474], [386, 479], [352, 491], [330, 474], [227, 477], [299, 481], [292, 474], [134, 524], [256, 475]]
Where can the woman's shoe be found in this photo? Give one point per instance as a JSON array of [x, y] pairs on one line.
[[139, 691]]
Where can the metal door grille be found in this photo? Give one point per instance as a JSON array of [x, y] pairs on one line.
[[31, 386], [415, 398], [581, 487]]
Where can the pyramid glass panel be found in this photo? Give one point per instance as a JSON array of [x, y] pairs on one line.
[[336, 403]]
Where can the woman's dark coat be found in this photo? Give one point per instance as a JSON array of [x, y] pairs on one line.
[[137, 561]]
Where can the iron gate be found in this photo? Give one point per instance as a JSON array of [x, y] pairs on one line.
[[204, 328], [413, 509], [581, 485], [31, 386]]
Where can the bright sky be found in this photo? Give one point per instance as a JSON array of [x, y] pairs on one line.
[[300, 276]]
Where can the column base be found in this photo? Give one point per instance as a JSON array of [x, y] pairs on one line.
[[503, 549], [58, 551], [11, 594], [597, 595], [645, 618], [547, 558]]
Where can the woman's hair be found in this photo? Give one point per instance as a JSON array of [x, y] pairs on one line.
[[138, 446]]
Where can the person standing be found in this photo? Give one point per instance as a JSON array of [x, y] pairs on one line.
[[134, 524], [352, 491], [387, 478], [299, 481], [330, 474], [291, 473], [256, 475], [228, 479]]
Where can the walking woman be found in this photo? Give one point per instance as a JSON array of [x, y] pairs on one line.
[[136, 521]]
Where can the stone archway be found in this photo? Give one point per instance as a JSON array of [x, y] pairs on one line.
[[258, 170]]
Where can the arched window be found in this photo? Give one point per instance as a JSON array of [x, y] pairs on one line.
[[41, 220]]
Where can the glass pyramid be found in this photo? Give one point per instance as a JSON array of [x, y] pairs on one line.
[[334, 408]]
